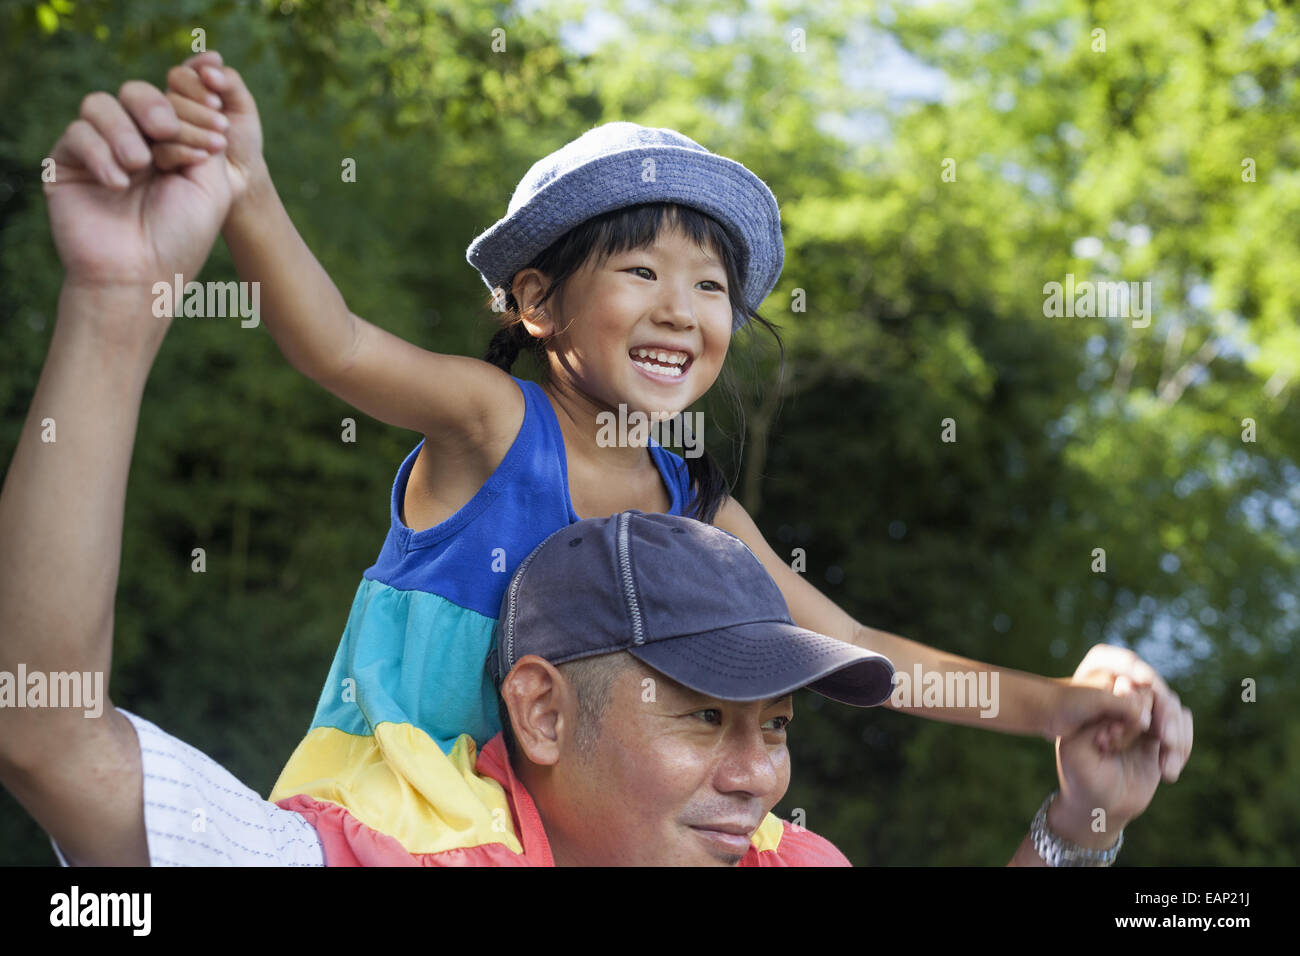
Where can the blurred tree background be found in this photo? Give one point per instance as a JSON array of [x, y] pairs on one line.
[[936, 166]]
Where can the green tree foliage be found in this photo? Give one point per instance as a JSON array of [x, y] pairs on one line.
[[920, 234]]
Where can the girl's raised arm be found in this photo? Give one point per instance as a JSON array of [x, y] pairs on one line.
[[376, 372], [1020, 702]]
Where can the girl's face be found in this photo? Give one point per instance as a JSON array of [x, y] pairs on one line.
[[648, 327]]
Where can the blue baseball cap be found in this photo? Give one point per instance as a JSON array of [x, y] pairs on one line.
[[624, 164], [687, 599]]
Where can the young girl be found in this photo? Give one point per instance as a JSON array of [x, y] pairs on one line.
[[625, 262]]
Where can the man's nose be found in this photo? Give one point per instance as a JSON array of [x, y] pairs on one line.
[[748, 764]]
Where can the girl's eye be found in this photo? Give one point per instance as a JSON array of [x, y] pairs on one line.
[[711, 282]]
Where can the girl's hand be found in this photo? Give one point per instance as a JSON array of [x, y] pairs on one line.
[[202, 129], [116, 219], [1105, 684], [210, 89]]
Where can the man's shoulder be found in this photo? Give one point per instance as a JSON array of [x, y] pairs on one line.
[[791, 845], [197, 813]]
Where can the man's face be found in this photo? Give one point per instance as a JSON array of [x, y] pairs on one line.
[[674, 778]]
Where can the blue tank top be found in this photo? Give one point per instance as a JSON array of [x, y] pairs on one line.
[[417, 638]]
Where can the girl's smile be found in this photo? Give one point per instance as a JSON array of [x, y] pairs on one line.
[[662, 362], [663, 309]]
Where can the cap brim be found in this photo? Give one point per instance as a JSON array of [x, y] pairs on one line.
[[770, 659]]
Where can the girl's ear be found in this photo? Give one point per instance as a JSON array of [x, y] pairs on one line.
[[528, 288], [538, 324]]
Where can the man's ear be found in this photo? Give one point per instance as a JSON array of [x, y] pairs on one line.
[[528, 288], [543, 709]]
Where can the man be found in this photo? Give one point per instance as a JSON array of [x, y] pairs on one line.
[[649, 665], [649, 778]]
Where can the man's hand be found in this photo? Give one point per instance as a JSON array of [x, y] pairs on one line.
[[1103, 686], [1094, 777], [203, 81], [117, 221], [120, 225]]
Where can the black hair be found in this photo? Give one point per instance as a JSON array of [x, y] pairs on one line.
[[635, 227]]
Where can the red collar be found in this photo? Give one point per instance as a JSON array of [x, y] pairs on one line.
[[493, 762]]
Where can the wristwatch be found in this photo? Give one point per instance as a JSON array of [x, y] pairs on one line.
[[1057, 851]]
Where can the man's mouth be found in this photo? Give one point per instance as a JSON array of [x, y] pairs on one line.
[[732, 839]]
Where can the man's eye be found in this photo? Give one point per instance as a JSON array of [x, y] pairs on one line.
[[780, 722], [714, 715]]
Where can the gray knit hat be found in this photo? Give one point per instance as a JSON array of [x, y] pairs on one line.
[[623, 164]]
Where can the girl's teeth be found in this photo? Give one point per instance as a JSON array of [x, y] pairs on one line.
[[666, 358], [658, 369]]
